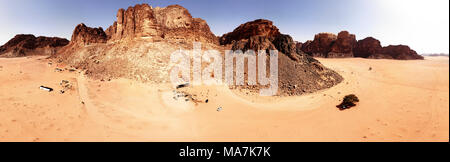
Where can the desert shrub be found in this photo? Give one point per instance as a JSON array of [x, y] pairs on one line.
[[348, 102]]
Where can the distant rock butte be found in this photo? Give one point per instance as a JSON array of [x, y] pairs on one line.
[[367, 47], [27, 44], [344, 45], [171, 22], [401, 52], [371, 48]]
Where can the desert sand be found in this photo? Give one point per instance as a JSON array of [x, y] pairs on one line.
[[399, 101]]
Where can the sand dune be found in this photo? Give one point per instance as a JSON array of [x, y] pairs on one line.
[[400, 101]]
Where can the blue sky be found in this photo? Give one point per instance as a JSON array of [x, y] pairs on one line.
[[421, 24]]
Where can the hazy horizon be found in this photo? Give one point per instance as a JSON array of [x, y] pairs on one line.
[[422, 25]]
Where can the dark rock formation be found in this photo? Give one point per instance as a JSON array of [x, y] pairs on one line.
[[367, 47], [285, 44], [371, 48], [401, 52], [298, 46], [345, 45], [259, 35], [298, 72], [258, 27], [254, 43], [27, 44], [85, 35]]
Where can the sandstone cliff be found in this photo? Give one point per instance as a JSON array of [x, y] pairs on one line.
[[343, 46], [171, 22]]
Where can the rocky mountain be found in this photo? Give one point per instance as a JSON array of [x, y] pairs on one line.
[[138, 45], [27, 44], [344, 45], [298, 72]]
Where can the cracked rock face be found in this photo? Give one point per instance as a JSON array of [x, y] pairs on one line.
[[343, 46], [171, 22]]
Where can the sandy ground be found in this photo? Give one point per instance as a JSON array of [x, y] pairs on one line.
[[400, 101]]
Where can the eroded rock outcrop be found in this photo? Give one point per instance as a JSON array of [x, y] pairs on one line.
[[298, 46], [86, 35], [401, 52], [27, 44], [298, 72], [171, 22], [321, 45], [260, 27], [367, 47], [371, 48], [343, 46], [330, 45]]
